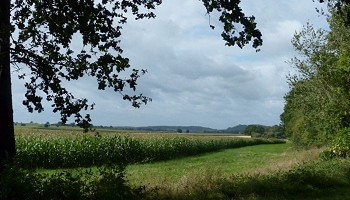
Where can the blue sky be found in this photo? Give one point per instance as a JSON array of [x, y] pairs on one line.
[[193, 78]]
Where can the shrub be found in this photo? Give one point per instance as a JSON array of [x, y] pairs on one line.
[[340, 146], [107, 183]]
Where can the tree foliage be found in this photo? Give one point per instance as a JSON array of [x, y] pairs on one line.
[[252, 129], [275, 131], [232, 13], [338, 5], [44, 44], [318, 104]]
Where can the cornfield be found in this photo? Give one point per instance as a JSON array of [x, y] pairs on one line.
[[86, 151]]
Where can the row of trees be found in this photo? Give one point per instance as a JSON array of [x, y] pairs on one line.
[[275, 131], [318, 103]]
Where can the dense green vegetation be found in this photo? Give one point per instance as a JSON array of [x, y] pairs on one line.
[[318, 104], [261, 131], [107, 183]]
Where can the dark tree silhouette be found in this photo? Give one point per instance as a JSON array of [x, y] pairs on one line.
[[7, 138]]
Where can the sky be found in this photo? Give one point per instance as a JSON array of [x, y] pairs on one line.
[[193, 78]]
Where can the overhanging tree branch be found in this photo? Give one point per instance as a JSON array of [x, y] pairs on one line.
[[46, 30]]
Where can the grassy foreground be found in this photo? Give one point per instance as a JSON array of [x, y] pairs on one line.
[[223, 163], [256, 172], [270, 172], [265, 171]]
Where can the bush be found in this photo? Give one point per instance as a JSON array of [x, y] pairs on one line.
[[340, 146], [107, 183]]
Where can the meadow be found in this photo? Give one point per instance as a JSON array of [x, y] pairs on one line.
[[64, 163]]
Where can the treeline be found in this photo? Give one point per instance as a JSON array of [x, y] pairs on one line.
[[318, 103], [261, 131]]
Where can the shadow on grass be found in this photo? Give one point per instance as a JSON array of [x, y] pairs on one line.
[[319, 180]]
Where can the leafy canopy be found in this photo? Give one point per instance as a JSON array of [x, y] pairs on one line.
[[317, 106]]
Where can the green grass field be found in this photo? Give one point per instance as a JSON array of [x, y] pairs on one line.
[[184, 178], [262, 172], [222, 167], [224, 163]]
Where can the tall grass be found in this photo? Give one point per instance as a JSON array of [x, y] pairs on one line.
[[62, 152], [321, 180]]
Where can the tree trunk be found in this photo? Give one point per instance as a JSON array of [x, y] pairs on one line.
[[7, 138]]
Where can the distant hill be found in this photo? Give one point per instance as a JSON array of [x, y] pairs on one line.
[[192, 129], [236, 129]]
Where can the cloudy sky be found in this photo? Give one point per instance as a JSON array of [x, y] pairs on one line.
[[193, 78]]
